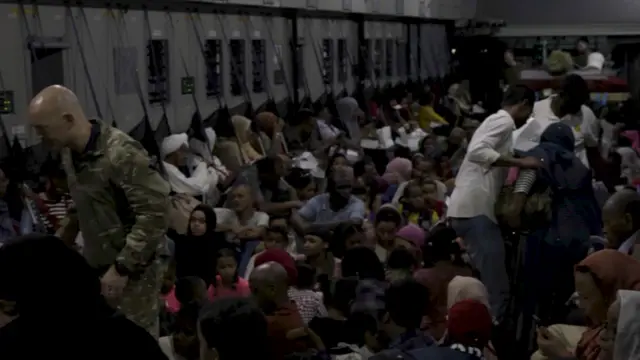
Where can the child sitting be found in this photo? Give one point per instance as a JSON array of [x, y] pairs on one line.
[[415, 208], [228, 283]]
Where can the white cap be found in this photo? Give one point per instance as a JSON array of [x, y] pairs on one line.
[[595, 61]]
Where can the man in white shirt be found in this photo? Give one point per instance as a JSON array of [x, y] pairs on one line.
[[567, 105], [478, 183]]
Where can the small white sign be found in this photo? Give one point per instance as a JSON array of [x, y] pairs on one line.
[[256, 33], [235, 34], [18, 130], [212, 33], [156, 33]]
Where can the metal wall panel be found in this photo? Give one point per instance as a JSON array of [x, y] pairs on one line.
[[101, 40]]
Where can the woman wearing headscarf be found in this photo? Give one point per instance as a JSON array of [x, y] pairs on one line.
[[195, 253], [598, 278], [621, 337], [564, 217], [270, 127], [396, 175], [348, 111], [241, 149], [66, 316]]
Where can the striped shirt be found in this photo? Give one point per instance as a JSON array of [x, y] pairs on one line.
[[55, 209]]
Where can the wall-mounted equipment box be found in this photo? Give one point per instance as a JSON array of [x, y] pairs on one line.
[[327, 61], [259, 65], [237, 65], [213, 58], [158, 89]]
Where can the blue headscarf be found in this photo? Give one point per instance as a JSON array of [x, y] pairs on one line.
[[576, 214], [561, 170]]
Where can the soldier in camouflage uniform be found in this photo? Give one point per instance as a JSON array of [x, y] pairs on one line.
[[121, 202]]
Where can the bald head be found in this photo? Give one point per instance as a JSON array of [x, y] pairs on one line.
[[619, 201], [269, 273], [621, 216], [57, 116]]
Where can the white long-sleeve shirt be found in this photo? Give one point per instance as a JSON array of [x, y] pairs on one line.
[[478, 182]]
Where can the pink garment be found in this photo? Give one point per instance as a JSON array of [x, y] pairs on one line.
[[241, 289], [171, 304], [400, 166], [512, 176], [634, 136], [412, 233]]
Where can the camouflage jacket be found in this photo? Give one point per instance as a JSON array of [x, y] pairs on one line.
[[121, 200]]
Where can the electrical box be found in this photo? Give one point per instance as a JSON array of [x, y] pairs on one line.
[[237, 66], [278, 72], [378, 55], [158, 88], [401, 58], [259, 65], [343, 60], [388, 68], [327, 61], [6, 103], [213, 63], [187, 85]]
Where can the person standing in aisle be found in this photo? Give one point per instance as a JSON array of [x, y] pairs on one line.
[[121, 201], [477, 185]]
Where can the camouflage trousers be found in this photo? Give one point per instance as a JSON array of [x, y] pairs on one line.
[[139, 301]]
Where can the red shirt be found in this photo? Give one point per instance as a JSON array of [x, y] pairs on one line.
[[279, 323]]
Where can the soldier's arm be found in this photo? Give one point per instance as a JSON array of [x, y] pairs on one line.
[[148, 196]]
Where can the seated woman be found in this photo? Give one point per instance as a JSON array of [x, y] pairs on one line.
[[205, 152], [270, 127], [242, 148], [242, 222], [199, 182], [598, 278]]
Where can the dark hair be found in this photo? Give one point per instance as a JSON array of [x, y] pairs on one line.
[[341, 294], [227, 252], [358, 324], [265, 165], [441, 245], [298, 178], [583, 39], [388, 215], [575, 88], [185, 331], [306, 275], [331, 161], [280, 231], [185, 289], [340, 236], [406, 302], [13, 194], [24, 260], [518, 94], [226, 323], [401, 259], [363, 263]]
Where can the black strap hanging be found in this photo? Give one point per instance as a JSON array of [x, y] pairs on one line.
[[270, 103], [163, 130], [143, 131], [196, 128], [219, 120], [298, 48], [327, 88], [237, 73], [85, 66], [278, 56], [87, 28]]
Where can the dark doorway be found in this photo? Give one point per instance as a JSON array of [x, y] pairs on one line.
[[47, 66]]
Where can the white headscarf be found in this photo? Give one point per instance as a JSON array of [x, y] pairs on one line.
[[173, 143], [202, 177], [627, 342]]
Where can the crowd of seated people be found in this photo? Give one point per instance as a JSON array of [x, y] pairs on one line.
[[392, 252]]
